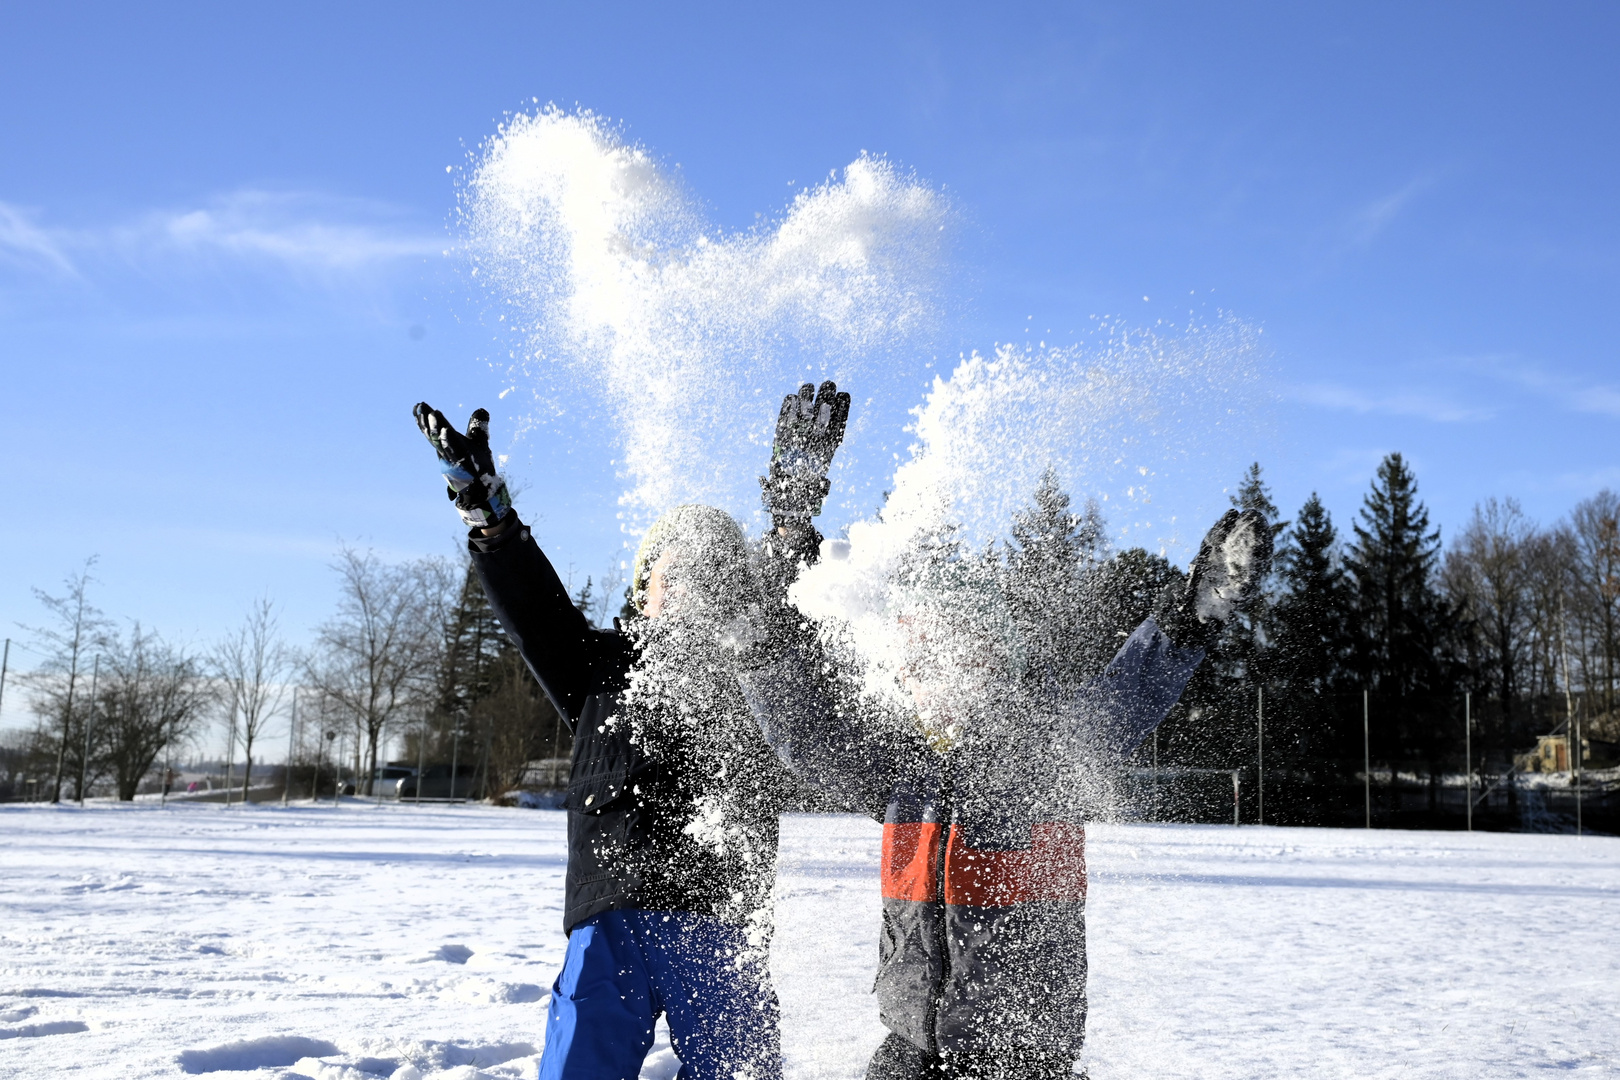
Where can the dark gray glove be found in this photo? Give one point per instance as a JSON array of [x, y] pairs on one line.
[[469, 469], [1225, 578], [808, 430]]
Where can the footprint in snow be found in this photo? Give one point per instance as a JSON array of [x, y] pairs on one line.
[[49, 1027], [450, 954], [272, 1051]]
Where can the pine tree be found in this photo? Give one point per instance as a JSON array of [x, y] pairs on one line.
[[1221, 697], [489, 713], [1392, 567], [1305, 670], [1310, 620], [1121, 592], [1241, 650], [1402, 625], [1047, 564]]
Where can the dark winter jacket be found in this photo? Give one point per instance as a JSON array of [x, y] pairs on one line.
[[630, 843], [983, 871]]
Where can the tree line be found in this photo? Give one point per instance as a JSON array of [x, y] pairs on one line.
[[1380, 650], [1382, 647], [411, 660]]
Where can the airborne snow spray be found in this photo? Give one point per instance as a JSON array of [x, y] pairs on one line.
[[684, 335]]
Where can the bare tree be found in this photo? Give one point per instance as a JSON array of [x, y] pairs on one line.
[[251, 665], [76, 628], [1486, 571], [152, 696], [1549, 562], [371, 658], [1595, 525]]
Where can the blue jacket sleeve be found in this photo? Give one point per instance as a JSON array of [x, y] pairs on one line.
[[857, 761], [1130, 698]]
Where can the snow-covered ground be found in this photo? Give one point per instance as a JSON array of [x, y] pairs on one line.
[[361, 942]]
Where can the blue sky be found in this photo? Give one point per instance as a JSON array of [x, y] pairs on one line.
[[222, 287]]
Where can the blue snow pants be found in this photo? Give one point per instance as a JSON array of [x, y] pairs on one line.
[[624, 968]]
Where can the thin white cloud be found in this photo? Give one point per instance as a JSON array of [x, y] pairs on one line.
[[1376, 216], [1577, 395], [300, 232], [1411, 403], [24, 242]]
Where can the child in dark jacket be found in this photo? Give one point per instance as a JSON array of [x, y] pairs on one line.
[[673, 797]]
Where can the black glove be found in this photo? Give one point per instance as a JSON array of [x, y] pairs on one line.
[[1225, 578], [808, 431], [469, 469]]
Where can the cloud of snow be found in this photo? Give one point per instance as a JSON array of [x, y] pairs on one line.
[[1108, 414], [688, 335]]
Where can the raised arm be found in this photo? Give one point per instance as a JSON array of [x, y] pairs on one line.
[[554, 638], [783, 674], [528, 598], [1123, 705], [824, 745], [1146, 677]]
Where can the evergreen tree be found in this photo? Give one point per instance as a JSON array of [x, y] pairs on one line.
[[1048, 561], [1305, 670], [1310, 620], [1401, 641], [488, 713], [1240, 652], [1392, 567], [1120, 593], [1219, 702]]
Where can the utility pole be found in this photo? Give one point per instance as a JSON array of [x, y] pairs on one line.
[[168, 767], [5, 664], [292, 733], [455, 758], [1468, 753], [89, 726], [1366, 758], [1155, 816], [1577, 767], [1569, 710], [421, 758], [1260, 757]]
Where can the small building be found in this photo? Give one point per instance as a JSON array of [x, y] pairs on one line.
[[1552, 754]]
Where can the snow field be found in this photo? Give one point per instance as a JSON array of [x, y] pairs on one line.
[[420, 942]]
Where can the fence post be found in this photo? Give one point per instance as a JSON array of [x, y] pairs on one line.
[[455, 758], [286, 770], [1468, 752], [421, 759], [1155, 816], [1260, 755], [1366, 758], [1579, 748], [1236, 787]]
